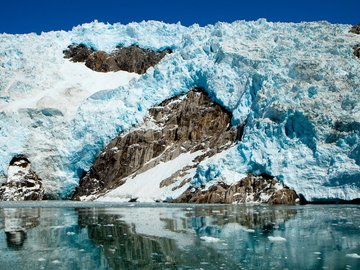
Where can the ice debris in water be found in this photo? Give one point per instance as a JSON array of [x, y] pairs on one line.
[[295, 87], [210, 239], [353, 255], [276, 238]]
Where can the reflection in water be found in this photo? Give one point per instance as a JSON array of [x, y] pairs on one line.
[[17, 222], [182, 237]]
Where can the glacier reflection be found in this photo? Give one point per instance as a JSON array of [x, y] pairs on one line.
[[174, 237]]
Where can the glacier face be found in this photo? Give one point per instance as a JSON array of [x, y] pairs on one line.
[[296, 86]]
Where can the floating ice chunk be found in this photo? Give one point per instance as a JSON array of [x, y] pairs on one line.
[[276, 238], [209, 239], [353, 255]]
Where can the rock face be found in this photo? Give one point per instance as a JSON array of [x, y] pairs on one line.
[[252, 189], [186, 124], [23, 183], [357, 50], [355, 29], [78, 53], [131, 59]]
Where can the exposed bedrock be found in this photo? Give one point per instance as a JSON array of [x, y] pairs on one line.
[[22, 183], [252, 189], [357, 50], [355, 29], [184, 124], [131, 59]]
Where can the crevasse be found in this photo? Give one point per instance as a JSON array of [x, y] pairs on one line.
[[296, 86]]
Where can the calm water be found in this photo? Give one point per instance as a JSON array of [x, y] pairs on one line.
[[135, 236]]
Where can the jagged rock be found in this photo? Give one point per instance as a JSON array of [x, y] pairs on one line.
[[178, 125], [357, 50], [131, 59], [355, 29], [252, 189], [78, 53], [22, 184]]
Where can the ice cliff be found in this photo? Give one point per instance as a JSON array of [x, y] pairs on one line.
[[296, 87]]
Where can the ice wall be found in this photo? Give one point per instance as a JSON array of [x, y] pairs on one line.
[[296, 86]]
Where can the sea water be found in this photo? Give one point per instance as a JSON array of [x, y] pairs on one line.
[[68, 235]]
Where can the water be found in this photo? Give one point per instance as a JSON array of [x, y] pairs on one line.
[[63, 235]]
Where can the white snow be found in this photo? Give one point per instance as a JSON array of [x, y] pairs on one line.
[[146, 186], [303, 111], [17, 171], [77, 84]]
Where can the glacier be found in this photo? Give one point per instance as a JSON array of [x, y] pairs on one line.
[[295, 87]]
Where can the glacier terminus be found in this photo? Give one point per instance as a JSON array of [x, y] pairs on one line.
[[293, 88]]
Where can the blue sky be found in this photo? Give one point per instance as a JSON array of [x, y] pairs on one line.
[[44, 15]]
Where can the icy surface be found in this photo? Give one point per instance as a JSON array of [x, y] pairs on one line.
[[296, 86]]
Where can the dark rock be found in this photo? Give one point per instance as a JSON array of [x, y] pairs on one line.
[[355, 29], [131, 59], [252, 189], [176, 126], [357, 50], [78, 53], [22, 184]]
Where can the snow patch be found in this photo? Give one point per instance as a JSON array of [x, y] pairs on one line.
[[18, 170], [145, 187]]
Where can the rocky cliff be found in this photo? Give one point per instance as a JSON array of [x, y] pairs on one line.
[[185, 124], [190, 123]]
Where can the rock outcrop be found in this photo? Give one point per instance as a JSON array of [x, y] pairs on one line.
[[131, 59], [357, 50], [355, 29], [78, 53], [252, 189], [179, 125], [22, 183]]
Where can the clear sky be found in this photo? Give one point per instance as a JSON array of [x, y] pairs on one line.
[[23, 16]]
